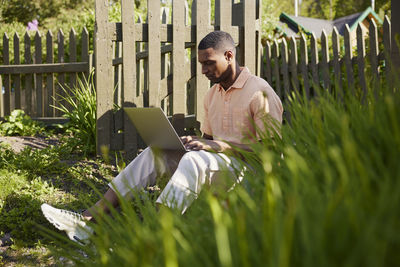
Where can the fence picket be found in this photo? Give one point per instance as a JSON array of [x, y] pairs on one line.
[[85, 57], [223, 15], [268, 69], [285, 69], [49, 92], [360, 59], [304, 65], [28, 77], [387, 49], [17, 77], [325, 61], [39, 78], [314, 63], [153, 14], [131, 76], [248, 44], [374, 53], [348, 57], [202, 21], [7, 78], [293, 64], [72, 56], [275, 56], [61, 76], [336, 62]]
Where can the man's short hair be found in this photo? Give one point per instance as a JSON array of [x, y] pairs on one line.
[[218, 40]]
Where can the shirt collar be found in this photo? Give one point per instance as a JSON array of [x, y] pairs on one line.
[[240, 80]]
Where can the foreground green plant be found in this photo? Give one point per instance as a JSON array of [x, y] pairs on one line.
[[18, 123], [78, 104], [327, 194]]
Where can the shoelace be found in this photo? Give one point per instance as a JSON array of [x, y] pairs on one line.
[[76, 216]]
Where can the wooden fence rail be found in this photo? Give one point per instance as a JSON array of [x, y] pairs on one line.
[[306, 67], [35, 86]]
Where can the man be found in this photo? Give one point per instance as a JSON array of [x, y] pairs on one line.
[[235, 106]]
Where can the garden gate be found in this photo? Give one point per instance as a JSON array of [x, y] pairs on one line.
[[156, 62]]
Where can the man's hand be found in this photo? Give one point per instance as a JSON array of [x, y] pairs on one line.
[[197, 143]]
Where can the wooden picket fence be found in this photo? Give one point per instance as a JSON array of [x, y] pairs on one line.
[[304, 67], [35, 85], [164, 70]]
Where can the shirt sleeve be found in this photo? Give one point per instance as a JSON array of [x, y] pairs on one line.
[[205, 127], [264, 116]]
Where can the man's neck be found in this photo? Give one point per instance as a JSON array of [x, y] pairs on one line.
[[232, 78]]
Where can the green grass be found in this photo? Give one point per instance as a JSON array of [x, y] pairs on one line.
[[327, 194]]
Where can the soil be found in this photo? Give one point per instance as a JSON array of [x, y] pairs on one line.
[[18, 143]]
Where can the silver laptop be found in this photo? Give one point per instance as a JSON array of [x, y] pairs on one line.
[[155, 128]]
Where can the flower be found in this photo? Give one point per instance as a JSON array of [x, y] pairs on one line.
[[33, 25]]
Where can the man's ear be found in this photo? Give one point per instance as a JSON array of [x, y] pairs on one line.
[[229, 56]]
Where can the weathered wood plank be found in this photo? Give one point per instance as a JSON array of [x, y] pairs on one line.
[[44, 68], [314, 64], [276, 75], [325, 61], [28, 77], [49, 92], [130, 98], [85, 50], [336, 63], [374, 53], [304, 65], [285, 69], [202, 21], [178, 60], [361, 61], [6, 77], [72, 56], [387, 50], [154, 72], [268, 68], [103, 57], [293, 62], [249, 35], [39, 77], [61, 76], [223, 15], [348, 59], [17, 77]]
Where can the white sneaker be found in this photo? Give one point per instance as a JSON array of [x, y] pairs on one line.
[[70, 222]]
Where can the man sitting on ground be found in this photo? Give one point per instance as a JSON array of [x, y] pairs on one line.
[[234, 107]]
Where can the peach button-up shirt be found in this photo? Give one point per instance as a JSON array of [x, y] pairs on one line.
[[232, 114]]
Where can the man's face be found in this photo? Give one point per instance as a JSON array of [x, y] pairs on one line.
[[214, 64]]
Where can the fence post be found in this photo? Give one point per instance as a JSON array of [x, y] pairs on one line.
[[49, 93], [374, 53], [104, 84], [325, 61], [7, 80], [304, 64], [39, 78], [17, 77], [293, 64], [28, 77], [202, 21], [153, 14], [348, 59], [360, 60], [129, 69], [314, 64], [268, 68], [336, 62], [178, 61], [395, 8]]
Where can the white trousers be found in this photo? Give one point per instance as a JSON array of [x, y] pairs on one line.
[[193, 170]]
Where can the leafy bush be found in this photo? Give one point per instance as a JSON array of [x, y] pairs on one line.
[[79, 106], [18, 123], [327, 194]]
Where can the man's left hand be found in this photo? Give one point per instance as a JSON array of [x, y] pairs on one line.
[[196, 143]]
